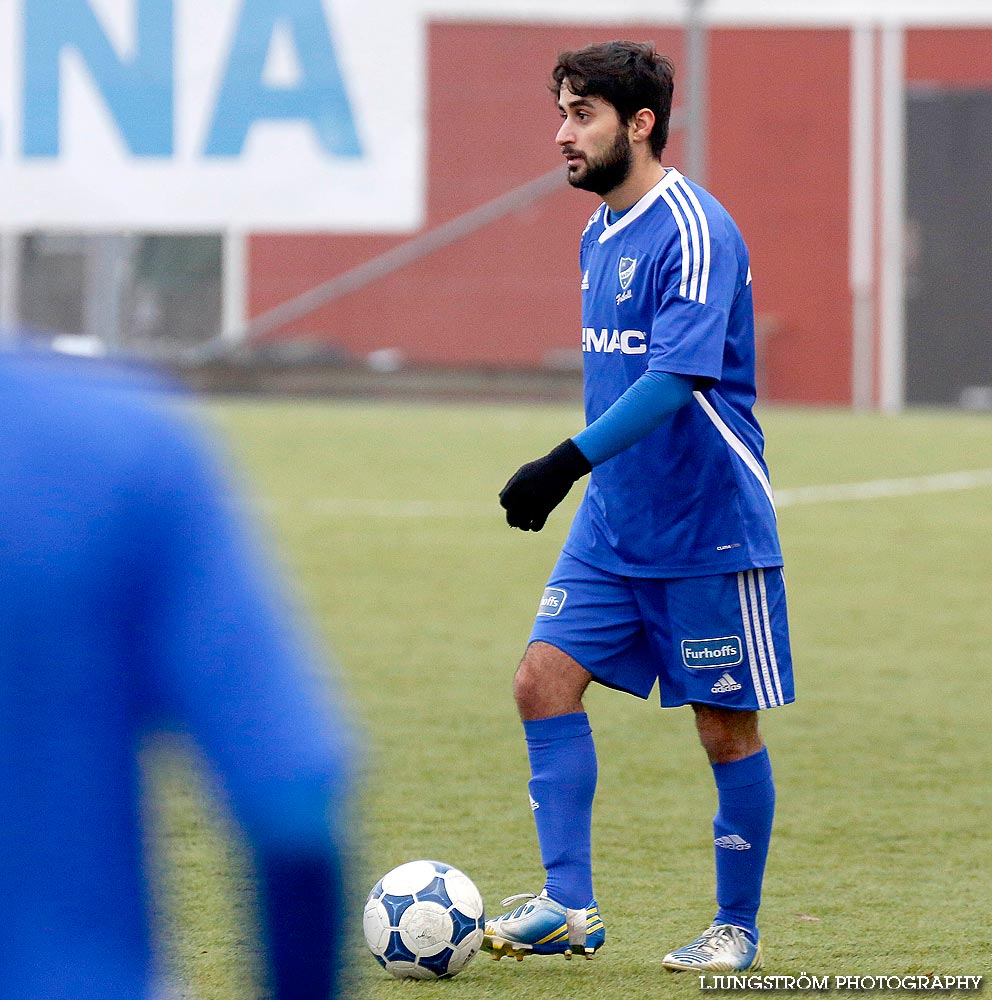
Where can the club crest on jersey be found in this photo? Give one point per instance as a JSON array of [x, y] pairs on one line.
[[626, 274], [626, 271]]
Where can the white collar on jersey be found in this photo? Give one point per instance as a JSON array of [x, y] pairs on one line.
[[641, 206]]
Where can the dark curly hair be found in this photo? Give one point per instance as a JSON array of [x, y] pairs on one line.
[[628, 75]]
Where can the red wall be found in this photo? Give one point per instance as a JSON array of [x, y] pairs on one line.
[[956, 57], [506, 295], [778, 159], [779, 141]]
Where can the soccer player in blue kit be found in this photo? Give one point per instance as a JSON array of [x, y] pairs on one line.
[[133, 602], [672, 569]]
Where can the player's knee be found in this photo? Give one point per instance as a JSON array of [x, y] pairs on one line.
[[726, 735], [528, 686], [548, 682]]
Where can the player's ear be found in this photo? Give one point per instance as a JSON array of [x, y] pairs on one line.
[[642, 125]]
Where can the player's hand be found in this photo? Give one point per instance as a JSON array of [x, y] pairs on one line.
[[536, 488]]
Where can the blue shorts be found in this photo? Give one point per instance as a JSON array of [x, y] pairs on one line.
[[712, 640]]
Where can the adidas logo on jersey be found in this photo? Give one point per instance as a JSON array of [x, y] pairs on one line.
[[585, 281], [725, 685], [593, 220], [732, 843]]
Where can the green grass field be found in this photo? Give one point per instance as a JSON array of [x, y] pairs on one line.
[[386, 518]]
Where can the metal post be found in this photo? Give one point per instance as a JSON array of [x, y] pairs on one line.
[[10, 284], [862, 215], [893, 305], [109, 261], [234, 277], [697, 104]]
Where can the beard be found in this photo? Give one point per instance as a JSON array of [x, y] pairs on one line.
[[610, 170]]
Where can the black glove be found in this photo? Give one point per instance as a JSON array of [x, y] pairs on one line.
[[536, 488]]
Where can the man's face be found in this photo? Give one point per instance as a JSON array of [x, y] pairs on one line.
[[595, 145]]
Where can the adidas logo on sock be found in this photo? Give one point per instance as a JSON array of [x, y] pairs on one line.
[[733, 843], [534, 804], [725, 685]]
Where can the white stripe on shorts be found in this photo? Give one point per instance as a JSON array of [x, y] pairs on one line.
[[766, 617], [758, 638]]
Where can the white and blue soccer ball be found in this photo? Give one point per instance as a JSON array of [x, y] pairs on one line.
[[424, 920]]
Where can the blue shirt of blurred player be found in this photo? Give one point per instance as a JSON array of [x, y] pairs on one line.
[[132, 600]]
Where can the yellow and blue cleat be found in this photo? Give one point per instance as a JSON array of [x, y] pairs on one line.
[[541, 926], [720, 948]]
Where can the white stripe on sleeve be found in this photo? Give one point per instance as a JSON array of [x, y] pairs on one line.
[[684, 234], [704, 229]]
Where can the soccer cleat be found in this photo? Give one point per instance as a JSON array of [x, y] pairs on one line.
[[721, 948], [540, 926]]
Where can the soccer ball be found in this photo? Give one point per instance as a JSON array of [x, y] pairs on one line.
[[424, 920]]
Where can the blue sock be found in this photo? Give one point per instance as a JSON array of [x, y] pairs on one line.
[[563, 781], [742, 829]]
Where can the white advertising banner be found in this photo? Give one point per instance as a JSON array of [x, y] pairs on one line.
[[192, 115]]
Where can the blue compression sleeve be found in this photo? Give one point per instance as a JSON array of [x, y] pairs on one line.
[[634, 415]]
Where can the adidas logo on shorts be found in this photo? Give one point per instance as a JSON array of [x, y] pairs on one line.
[[725, 685]]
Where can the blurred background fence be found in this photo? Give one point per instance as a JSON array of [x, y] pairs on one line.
[[372, 188]]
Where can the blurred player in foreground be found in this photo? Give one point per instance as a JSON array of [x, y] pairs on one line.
[[132, 601], [672, 569]]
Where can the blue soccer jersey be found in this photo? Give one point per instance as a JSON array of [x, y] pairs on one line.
[[667, 287]]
